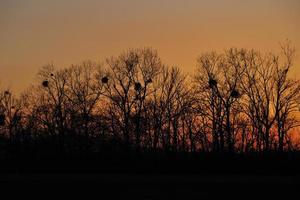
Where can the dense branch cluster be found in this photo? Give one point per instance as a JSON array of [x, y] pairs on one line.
[[237, 101]]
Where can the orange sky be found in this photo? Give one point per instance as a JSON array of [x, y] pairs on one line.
[[37, 32]]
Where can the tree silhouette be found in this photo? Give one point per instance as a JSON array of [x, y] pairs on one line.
[[237, 101]]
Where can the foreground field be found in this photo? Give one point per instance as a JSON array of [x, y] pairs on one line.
[[153, 186], [151, 177]]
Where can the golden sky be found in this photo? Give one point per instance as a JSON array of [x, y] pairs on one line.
[[37, 32]]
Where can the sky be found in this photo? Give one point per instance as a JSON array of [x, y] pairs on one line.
[[34, 33]]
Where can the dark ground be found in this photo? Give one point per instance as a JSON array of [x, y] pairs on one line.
[[172, 176], [154, 186]]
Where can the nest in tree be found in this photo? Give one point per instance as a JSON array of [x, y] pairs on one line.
[[212, 83], [149, 80], [104, 79], [16, 118], [6, 92], [235, 94], [137, 86], [45, 83], [2, 119]]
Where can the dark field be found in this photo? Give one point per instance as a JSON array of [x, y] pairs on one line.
[[153, 186], [177, 176]]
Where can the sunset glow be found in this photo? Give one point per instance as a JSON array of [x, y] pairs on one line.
[[34, 33]]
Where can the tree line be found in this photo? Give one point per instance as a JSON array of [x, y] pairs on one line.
[[238, 100]]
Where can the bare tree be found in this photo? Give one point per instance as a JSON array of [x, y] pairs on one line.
[[10, 111], [128, 84], [217, 83], [286, 93], [83, 91], [53, 94]]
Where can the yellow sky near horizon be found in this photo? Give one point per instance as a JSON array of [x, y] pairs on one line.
[[37, 32]]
